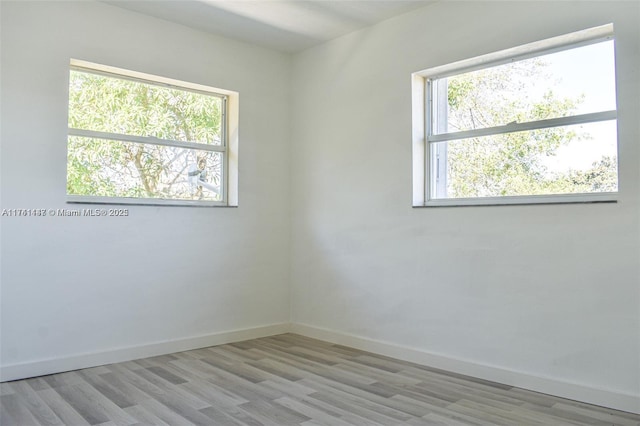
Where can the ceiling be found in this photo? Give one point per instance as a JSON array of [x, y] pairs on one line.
[[285, 25]]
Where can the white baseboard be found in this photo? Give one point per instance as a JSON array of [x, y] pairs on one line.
[[548, 385], [551, 386], [75, 362]]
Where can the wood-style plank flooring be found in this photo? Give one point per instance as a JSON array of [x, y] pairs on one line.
[[279, 381]]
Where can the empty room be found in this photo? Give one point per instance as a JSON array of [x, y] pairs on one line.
[[319, 212]]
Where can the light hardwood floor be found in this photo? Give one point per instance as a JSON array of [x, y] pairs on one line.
[[283, 380]]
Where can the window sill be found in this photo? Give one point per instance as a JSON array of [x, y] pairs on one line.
[[604, 197], [79, 199]]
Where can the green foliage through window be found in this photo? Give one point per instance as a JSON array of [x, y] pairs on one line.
[[134, 139], [568, 158]]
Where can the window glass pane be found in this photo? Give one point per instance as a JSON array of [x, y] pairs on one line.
[[107, 168], [561, 84], [561, 160], [114, 105]]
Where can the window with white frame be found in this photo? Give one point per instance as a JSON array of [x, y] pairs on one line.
[[144, 140], [536, 123]]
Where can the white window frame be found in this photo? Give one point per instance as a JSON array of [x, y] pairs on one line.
[[426, 116], [227, 147]]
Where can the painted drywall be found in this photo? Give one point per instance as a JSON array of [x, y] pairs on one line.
[[549, 291], [76, 285]]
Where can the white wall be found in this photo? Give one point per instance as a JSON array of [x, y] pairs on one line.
[[89, 285], [546, 291]]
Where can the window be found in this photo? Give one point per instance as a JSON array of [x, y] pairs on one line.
[[532, 124], [140, 139]]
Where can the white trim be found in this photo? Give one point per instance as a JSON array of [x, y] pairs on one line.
[[89, 199], [232, 131], [91, 67], [148, 140], [418, 145], [225, 158], [518, 53], [57, 365], [151, 81], [549, 385], [596, 197], [521, 127]]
